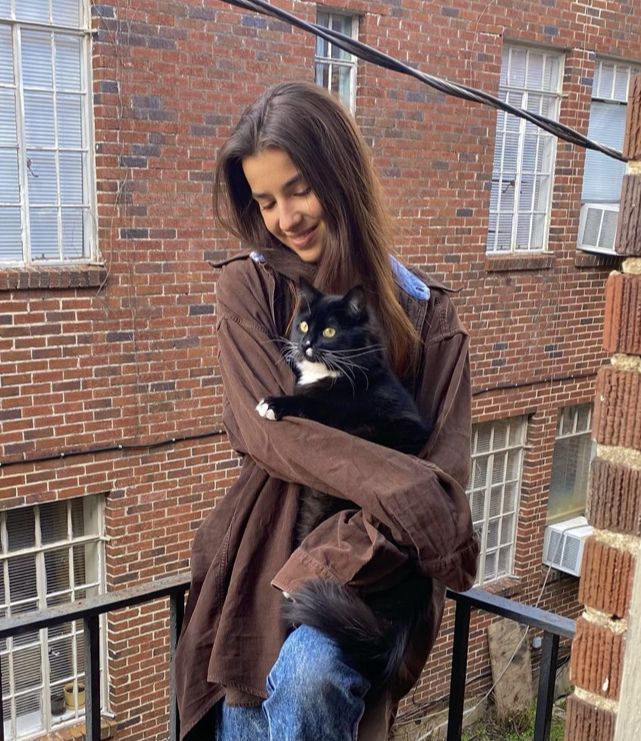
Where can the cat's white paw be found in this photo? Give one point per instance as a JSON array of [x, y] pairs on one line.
[[265, 410]]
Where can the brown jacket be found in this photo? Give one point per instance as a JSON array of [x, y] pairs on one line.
[[413, 510]]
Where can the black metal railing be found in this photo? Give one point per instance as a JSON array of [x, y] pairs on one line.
[[89, 611], [554, 628]]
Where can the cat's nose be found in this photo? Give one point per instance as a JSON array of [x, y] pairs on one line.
[[309, 352]]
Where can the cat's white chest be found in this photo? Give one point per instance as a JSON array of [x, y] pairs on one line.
[[312, 372]]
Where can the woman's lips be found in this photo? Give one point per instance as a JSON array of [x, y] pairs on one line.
[[300, 241]]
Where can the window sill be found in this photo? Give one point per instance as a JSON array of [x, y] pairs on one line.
[[506, 586], [596, 260], [52, 277], [506, 263], [77, 731]]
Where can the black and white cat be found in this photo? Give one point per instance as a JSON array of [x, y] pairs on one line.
[[344, 381]]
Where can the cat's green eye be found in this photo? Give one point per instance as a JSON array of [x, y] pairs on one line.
[[303, 326], [329, 332]]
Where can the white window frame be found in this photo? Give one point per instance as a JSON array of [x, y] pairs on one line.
[[94, 583], [611, 85], [326, 17], [507, 187], [573, 422], [495, 493], [30, 253]]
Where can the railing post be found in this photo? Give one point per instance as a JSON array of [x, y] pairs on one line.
[[547, 678], [92, 677], [1, 708], [176, 614], [459, 670]]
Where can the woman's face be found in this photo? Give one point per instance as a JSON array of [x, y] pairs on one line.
[[290, 209]]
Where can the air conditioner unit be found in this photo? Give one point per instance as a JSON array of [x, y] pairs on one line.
[[563, 544], [598, 227]]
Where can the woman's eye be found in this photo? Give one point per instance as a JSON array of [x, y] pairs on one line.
[[303, 327], [329, 332], [304, 191]]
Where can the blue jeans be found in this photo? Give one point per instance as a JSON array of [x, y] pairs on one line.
[[312, 694]]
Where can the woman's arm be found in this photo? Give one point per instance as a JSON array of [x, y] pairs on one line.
[[409, 504]]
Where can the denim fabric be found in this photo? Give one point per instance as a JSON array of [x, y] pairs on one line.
[[312, 694]]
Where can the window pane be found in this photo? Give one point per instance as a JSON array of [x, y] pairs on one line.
[[39, 121], [6, 56], [73, 236], [53, 522], [603, 175], [78, 518], [57, 570], [27, 666], [21, 528], [9, 189], [42, 178], [7, 118], [68, 62], [69, 120], [36, 59], [10, 235], [32, 10], [570, 470], [322, 75], [71, 187], [66, 12], [22, 585], [61, 657], [44, 234]]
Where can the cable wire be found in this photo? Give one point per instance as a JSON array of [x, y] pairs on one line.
[[379, 58]]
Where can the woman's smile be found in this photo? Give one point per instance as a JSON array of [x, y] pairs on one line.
[[289, 207]]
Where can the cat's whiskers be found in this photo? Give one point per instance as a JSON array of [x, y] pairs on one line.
[[346, 366]]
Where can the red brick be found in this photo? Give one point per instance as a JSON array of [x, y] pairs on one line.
[[585, 722], [614, 501], [606, 578], [617, 413], [622, 330], [597, 659]]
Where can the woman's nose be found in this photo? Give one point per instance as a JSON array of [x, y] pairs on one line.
[[289, 217]]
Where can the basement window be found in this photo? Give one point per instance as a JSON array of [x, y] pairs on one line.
[[573, 452], [494, 493], [51, 554]]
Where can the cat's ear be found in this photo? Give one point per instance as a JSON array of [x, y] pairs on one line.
[[356, 301], [307, 291]]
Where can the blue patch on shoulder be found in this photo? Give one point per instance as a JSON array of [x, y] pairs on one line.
[[409, 282], [257, 257]]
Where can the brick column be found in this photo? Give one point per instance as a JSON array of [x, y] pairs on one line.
[[606, 653]]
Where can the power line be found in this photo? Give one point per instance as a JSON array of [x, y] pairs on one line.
[[379, 58]]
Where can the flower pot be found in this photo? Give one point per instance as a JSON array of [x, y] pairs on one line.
[[70, 699], [58, 704]]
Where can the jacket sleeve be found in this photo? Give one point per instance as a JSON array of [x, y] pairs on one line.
[[411, 507]]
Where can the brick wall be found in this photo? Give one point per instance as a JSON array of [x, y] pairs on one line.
[[108, 365]]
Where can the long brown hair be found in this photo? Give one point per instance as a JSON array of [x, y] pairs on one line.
[[326, 146]]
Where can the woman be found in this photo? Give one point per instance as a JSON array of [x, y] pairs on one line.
[[294, 182]]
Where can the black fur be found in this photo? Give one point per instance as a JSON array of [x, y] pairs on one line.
[[363, 397]]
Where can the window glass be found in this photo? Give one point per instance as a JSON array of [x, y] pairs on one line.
[[497, 459], [48, 552], [335, 69], [524, 154]]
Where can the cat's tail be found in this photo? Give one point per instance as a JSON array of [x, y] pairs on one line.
[[372, 643]]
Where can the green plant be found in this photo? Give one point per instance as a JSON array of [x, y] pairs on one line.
[[517, 728]]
